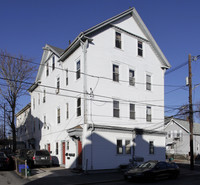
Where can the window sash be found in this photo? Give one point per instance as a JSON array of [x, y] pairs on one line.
[[53, 63], [58, 115], [67, 77], [116, 109], [151, 147], [118, 40], [148, 82], [148, 114], [140, 48], [115, 73], [78, 71], [58, 84], [67, 110], [128, 146], [47, 69], [119, 147], [79, 107], [131, 78], [57, 148], [132, 111]]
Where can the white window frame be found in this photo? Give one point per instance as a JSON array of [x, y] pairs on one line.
[[148, 82], [78, 107], [115, 72], [132, 111], [78, 70], [116, 109], [131, 77], [119, 148], [140, 50], [58, 115], [67, 110], [118, 42], [148, 113]]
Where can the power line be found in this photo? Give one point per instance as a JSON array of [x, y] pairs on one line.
[[93, 76], [176, 68]]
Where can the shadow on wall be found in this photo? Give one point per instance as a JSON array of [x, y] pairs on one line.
[[29, 135], [103, 152]]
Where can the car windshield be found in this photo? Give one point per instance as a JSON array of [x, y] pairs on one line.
[[147, 165], [42, 153]]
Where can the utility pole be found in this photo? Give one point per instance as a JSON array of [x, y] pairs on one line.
[[190, 113], [4, 126]]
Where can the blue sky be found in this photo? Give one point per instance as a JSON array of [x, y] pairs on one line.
[[27, 25]]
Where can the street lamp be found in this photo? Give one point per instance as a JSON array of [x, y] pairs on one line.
[[191, 58]]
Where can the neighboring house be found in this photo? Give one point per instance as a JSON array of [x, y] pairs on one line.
[[101, 101], [27, 131], [178, 137]]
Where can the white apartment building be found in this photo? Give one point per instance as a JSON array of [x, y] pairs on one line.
[[100, 101]]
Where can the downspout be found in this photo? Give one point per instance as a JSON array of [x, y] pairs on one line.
[[84, 48]]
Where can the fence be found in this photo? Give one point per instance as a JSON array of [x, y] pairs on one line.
[[21, 167]]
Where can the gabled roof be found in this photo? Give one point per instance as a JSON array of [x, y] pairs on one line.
[[23, 109], [131, 11], [57, 51], [185, 125]]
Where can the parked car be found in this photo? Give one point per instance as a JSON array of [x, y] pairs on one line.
[[4, 161], [38, 158], [153, 170]]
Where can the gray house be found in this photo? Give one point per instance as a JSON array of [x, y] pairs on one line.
[[178, 135]]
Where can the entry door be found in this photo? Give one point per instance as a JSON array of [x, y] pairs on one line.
[[63, 152], [49, 148], [79, 153]]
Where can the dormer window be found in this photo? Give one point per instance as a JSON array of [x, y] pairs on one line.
[[118, 42]]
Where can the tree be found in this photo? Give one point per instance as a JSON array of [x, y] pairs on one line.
[[15, 76], [183, 112]]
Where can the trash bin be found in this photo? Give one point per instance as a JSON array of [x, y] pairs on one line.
[[22, 167]]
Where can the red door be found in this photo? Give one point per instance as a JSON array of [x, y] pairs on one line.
[[49, 148], [79, 152], [63, 152]]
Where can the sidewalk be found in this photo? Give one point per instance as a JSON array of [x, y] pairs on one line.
[[58, 175]]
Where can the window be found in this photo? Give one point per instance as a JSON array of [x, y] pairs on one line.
[[131, 77], [58, 115], [118, 43], [47, 69], [169, 134], [115, 73], [132, 111], [78, 70], [38, 98], [53, 63], [67, 145], [148, 82], [44, 96], [148, 114], [67, 77], [116, 108], [128, 146], [151, 147], [140, 48], [78, 107], [45, 122], [119, 147], [67, 110], [57, 148], [58, 84], [33, 103]]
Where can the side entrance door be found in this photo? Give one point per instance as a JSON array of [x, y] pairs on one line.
[[63, 152], [79, 153]]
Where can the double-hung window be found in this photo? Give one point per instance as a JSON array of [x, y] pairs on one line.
[[67, 77], [56, 148], [78, 107], [119, 147], [140, 48], [131, 77], [53, 63], [118, 42], [78, 70], [148, 82], [58, 85], [116, 110], [132, 111], [45, 122], [58, 115], [67, 110], [151, 147], [115, 73], [47, 69], [148, 114], [128, 146]]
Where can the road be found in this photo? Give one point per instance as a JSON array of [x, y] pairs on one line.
[[11, 178]]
